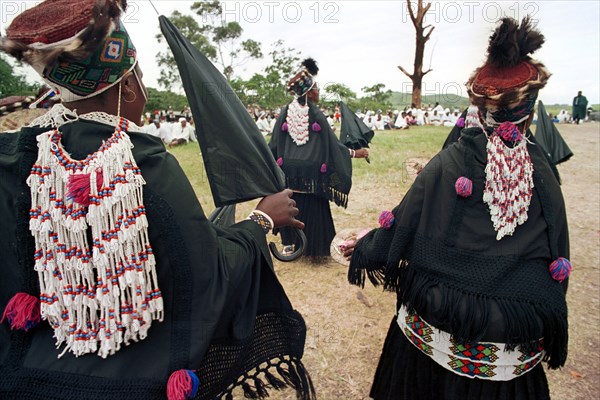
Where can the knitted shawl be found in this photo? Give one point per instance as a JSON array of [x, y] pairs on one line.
[[226, 316], [321, 165], [442, 258]]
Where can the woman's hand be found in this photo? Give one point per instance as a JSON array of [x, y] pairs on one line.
[[361, 153], [281, 208]]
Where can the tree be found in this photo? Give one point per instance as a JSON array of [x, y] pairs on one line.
[[161, 100], [376, 98], [13, 83], [339, 91], [220, 41], [268, 89], [421, 38]]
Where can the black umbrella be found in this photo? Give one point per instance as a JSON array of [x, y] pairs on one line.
[[354, 133], [549, 139], [238, 162]]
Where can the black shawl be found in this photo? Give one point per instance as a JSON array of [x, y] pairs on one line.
[[226, 314], [443, 259], [549, 138], [302, 165]]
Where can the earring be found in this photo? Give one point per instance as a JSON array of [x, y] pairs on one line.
[[125, 99]]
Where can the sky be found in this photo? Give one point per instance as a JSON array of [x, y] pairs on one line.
[[361, 43]]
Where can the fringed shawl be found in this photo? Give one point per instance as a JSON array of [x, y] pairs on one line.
[[321, 166], [442, 258]]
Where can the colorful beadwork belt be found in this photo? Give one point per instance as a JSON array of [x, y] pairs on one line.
[[481, 360]]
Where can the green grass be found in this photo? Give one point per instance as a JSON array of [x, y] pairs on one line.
[[389, 151]]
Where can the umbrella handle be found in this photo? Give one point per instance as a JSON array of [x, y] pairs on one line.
[[297, 252]]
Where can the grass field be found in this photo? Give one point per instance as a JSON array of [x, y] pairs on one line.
[[389, 151]]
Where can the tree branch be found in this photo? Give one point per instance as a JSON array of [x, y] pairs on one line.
[[426, 72], [405, 72], [429, 33], [411, 13]]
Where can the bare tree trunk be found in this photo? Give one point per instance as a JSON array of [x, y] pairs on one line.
[[421, 38]]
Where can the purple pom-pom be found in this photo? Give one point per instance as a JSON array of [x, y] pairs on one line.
[[560, 269], [316, 127], [280, 161], [464, 187], [284, 127], [323, 168], [460, 123], [386, 219], [509, 132]]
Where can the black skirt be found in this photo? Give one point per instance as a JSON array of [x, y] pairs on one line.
[[319, 230], [405, 373]]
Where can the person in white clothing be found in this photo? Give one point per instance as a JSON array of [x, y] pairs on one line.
[[159, 130], [263, 124], [182, 133], [401, 121]]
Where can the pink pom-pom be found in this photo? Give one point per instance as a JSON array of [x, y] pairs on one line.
[[323, 168], [316, 127], [464, 186], [284, 127], [183, 384], [560, 269], [386, 219], [509, 132], [22, 311], [460, 123], [78, 187], [280, 161]]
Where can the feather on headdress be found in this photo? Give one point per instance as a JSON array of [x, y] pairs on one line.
[[509, 76]]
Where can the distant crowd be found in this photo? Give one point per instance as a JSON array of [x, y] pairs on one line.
[[173, 128]]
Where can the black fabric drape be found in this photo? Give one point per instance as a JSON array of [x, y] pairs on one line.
[[218, 285], [550, 139], [238, 163], [454, 134], [353, 132]]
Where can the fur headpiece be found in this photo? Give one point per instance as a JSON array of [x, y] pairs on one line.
[[510, 79], [62, 39]]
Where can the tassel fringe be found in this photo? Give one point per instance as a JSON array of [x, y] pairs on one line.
[[277, 375]]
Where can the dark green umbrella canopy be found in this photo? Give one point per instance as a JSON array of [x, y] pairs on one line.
[[238, 162], [354, 133], [549, 139]]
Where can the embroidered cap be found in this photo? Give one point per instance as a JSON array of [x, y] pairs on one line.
[[79, 47]]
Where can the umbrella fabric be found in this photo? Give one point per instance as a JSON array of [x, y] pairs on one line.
[[238, 162], [549, 138], [354, 133]]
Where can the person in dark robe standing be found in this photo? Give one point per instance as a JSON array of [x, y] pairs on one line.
[[114, 283], [579, 107], [317, 166], [477, 251]]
